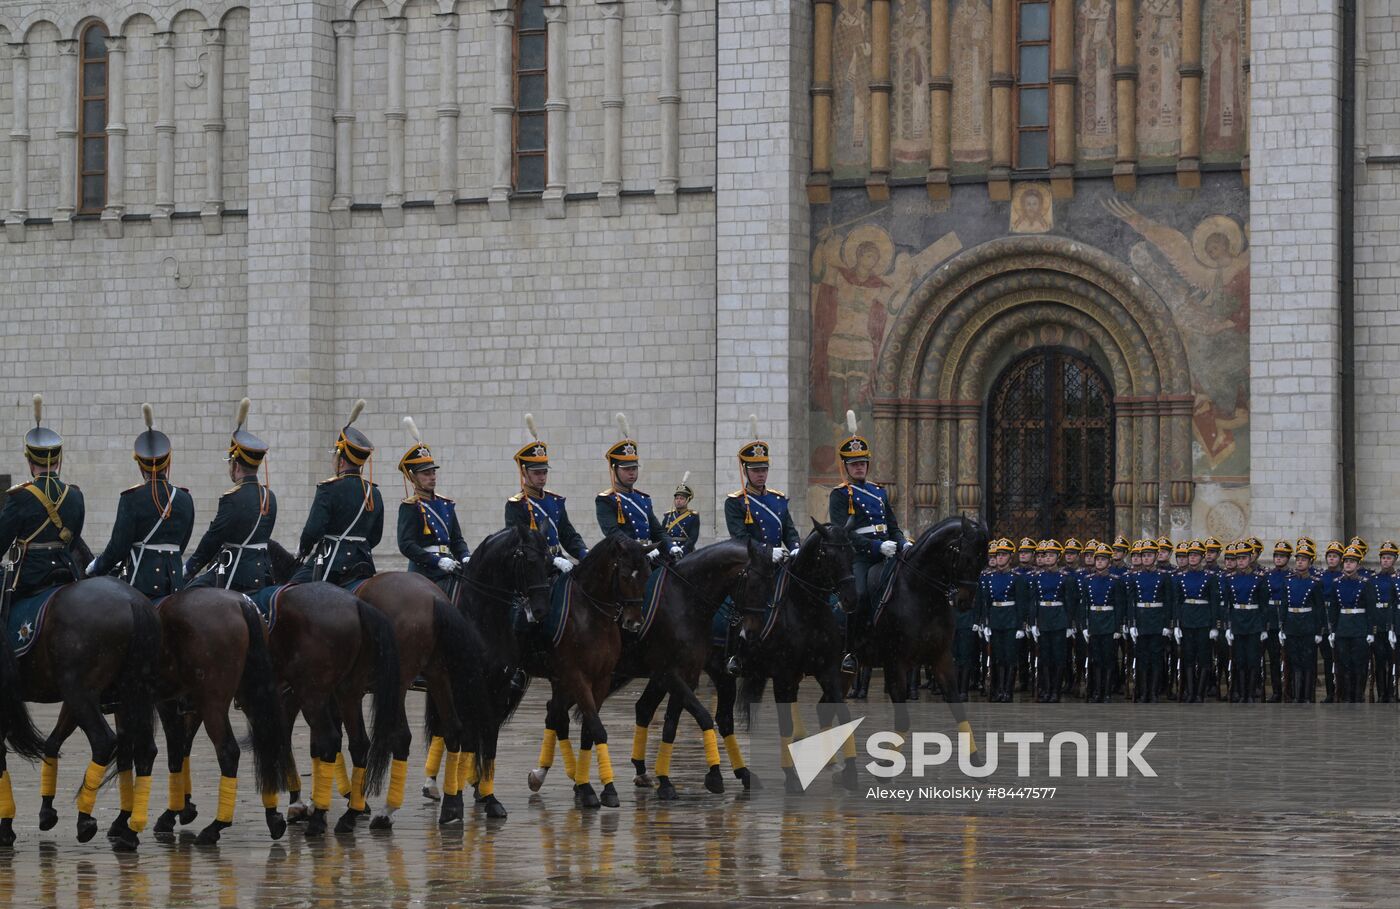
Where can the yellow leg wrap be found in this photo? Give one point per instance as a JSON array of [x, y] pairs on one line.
[[140, 805], [965, 726], [342, 779], [848, 747], [566, 751], [357, 789], [663, 758], [228, 797], [585, 764], [124, 789], [605, 771], [711, 748], [7, 797], [175, 791], [639, 743], [48, 777], [449, 773], [398, 773], [87, 796], [831, 761], [486, 785], [188, 780], [434, 762], [547, 748], [798, 730], [736, 757], [269, 800], [467, 769], [786, 761], [322, 778]]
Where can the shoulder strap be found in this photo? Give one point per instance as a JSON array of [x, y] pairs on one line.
[[52, 509]]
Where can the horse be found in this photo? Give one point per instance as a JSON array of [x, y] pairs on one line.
[[18, 732], [98, 639], [329, 647], [671, 650], [604, 590], [798, 636], [913, 623]]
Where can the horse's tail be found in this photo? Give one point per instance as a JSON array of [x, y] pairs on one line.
[[262, 703], [136, 710], [464, 654], [750, 693], [378, 632], [15, 723]]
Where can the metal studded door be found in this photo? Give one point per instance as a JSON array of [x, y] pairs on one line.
[[1050, 449]]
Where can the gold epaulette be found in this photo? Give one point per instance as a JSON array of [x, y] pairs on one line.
[[332, 480], [518, 497], [736, 494], [444, 499], [411, 500], [777, 492], [15, 488], [133, 488], [550, 492], [607, 492], [229, 492]]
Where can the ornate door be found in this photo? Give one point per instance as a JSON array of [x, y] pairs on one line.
[[1050, 459]]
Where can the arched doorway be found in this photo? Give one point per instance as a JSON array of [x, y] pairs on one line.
[[1050, 448]]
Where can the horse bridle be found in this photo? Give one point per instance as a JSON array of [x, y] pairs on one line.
[[940, 586], [829, 589], [613, 609], [519, 595]]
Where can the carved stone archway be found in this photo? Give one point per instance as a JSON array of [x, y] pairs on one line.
[[970, 316]]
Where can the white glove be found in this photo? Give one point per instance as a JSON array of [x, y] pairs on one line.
[[1176, 633], [1229, 636], [446, 564], [792, 553], [563, 564], [653, 555], [1214, 634], [92, 566], [1086, 634], [1069, 633], [1317, 639], [1332, 638], [778, 555], [1392, 637], [465, 559], [889, 548], [1132, 633], [1035, 632], [1020, 635], [908, 544], [977, 630], [1282, 637], [677, 552], [1166, 632], [1263, 636], [986, 634], [1370, 639]]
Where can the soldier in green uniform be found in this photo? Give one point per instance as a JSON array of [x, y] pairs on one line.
[[40, 519], [153, 523], [234, 548], [1001, 607], [1103, 611], [1150, 609], [1054, 604], [1196, 621], [429, 534], [346, 520], [1351, 617], [680, 524], [1303, 622]]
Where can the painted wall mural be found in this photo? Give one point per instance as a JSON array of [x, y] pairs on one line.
[[1223, 30], [1094, 24], [850, 103], [910, 71], [1159, 87], [971, 62]]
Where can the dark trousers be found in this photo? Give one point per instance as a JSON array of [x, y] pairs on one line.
[[1103, 652], [1004, 657], [1302, 666], [1245, 671], [1195, 662], [1052, 662], [1383, 657], [1149, 651], [1352, 658], [1329, 667], [1272, 655]]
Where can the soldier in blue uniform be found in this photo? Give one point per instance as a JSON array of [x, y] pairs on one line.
[[1054, 603], [1025, 556], [755, 511], [1118, 565], [1303, 622], [430, 536], [1196, 621], [40, 519], [622, 509], [1331, 572], [153, 523], [234, 548], [346, 520], [536, 508], [1387, 613], [1001, 606], [1246, 601], [1351, 624], [1163, 552], [1149, 604], [1277, 579], [680, 524], [1103, 612], [866, 507], [1213, 553]]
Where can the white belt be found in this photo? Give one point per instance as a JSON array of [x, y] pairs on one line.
[[157, 547], [1197, 602], [1149, 605], [440, 550], [1003, 602], [873, 528], [1353, 612], [257, 546], [1300, 609], [345, 539], [1244, 606], [1100, 608], [1052, 602]]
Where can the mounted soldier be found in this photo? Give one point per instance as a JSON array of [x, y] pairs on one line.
[[429, 534], [153, 523], [622, 508], [536, 508], [866, 508], [680, 524], [347, 515], [40, 519], [234, 548]]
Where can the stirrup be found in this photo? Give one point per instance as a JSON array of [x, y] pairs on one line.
[[848, 664], [517, 681], [733, 666]]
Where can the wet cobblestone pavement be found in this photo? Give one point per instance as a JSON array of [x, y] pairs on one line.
[[703, 850]]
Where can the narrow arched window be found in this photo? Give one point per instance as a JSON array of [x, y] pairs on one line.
[[92, 120], [531, 132]]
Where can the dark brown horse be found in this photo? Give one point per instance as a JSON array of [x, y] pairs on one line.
[[605, 589], [99, 640], [329, 647], [17, 732], [671, 650]]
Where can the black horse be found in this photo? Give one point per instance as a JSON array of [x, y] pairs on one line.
[[801, 636], [671, 652]]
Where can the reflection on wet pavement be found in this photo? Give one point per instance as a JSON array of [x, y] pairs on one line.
[[702, 850]]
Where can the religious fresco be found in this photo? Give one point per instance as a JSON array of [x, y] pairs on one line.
[[1159, 87], [1223, 87], [971, 62], [850, 102], [910, 102], [1032, 209], [1097, 122]]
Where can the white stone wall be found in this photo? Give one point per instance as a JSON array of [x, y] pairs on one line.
[[1294, 333]]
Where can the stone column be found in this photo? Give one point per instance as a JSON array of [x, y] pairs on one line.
[[1125, 74], [1063, 78], [999, 174], [556, 107], [19, 143], [609, 192], [1188, 165], [502, 108], [67, 133], [448, 112], [877, 185], [165, 135], [669, 179], [344, 119], [969, 489], [940, 102], [1124, 492], [211, 214], [395, 121], [819, 183], [1148, 489], [116, 136]]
